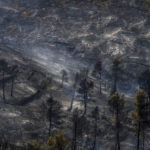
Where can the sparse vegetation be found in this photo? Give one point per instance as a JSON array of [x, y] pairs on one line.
[[46, 107], [140, 115], [116, 103], [98, 71], [58, 142], [85, 86], [53, 113]]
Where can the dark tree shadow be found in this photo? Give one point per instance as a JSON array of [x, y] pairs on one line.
[[27, 100]]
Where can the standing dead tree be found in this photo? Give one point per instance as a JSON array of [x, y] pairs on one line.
[[115, 69], [80, 127], [116, 104], [13, 70], [85, 86], [144, 81], [95, 116], [98, 71], [76, 81], [3, 69], [64, 77], [53, 113], [141, 116]]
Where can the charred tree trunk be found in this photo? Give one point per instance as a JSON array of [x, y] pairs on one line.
[[95, 136], [50, 120], [74, 142], [115, 81], [3, 87], [62, 82], [138, 135], [50, 127], [117, 129], [72, 100], [85, 102], [12, 86], [100, 83], [143, 141]]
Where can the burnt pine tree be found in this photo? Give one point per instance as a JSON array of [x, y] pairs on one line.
[[64, 77], [144, 81], [95, 116], [115, 70], [80, 126], [85, 86], [53, 113], [76, 81], [13, 71], [140, 115], [116, 103], [75, 120], [3, 68], [98, 71]]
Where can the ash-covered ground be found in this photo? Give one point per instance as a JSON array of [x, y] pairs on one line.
[[45, 37]]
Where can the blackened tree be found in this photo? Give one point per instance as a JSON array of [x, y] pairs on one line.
[[116, 103], [64, 77], [140, 115], [76, 81], [13, 70], [75, 120], [95, 116], [80, 126], [115, 69], [85, 86], [144, 81], [53, 113], [98, 71], [4, 69]]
